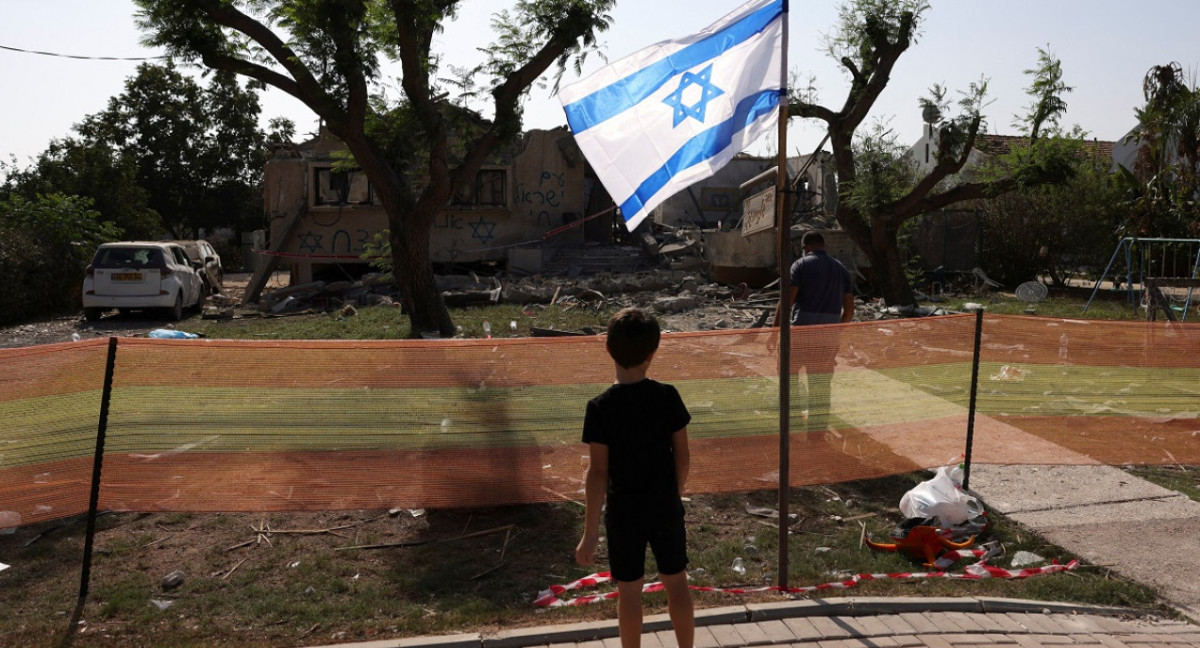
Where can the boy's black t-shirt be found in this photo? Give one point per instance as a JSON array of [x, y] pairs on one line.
[[637, 421]]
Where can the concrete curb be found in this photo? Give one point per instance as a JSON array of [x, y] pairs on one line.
[[751, 613]]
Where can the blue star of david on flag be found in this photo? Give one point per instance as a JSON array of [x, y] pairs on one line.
[[631, 118], [708, 92]]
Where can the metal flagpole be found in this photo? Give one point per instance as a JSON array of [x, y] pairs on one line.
[[784, 316]]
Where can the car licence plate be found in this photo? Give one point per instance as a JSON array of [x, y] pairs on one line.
[[127, 276]]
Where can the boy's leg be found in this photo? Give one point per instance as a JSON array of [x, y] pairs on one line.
[[629, 612], [679, 607]]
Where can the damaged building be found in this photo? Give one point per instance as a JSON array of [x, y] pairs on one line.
[[321, 217]]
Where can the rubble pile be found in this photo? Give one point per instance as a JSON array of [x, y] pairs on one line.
[[684, 300]]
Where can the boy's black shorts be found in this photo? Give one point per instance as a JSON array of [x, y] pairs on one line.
[[630, 529]]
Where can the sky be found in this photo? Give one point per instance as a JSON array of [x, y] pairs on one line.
[[1105, 48]]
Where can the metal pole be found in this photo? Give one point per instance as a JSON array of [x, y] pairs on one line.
[[783, 221], [97, 464], [974, 391]]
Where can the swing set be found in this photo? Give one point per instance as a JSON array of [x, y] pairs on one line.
[[1151, 264]]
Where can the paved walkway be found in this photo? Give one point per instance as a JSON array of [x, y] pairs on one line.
[[859, 622]]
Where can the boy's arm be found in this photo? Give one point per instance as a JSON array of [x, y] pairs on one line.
[[595, 488], [683, 457]]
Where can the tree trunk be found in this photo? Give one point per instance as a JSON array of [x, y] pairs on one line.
[[878, 240], [413, 271], [884, 253]]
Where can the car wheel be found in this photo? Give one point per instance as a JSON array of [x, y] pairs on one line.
[[176, 311], [202, 298], [92, 314]]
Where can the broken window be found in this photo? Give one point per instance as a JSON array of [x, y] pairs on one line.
[[342, 187], [488, 190]]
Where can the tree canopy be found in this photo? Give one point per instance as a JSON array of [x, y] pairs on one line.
[[329, 54], [875, 197], [165, 154]]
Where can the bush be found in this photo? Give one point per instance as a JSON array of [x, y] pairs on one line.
[[45, 245]]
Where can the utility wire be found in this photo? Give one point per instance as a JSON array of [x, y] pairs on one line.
[[84, 58]]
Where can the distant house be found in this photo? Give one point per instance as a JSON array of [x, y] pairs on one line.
[[320, 217], [949, 239], [924, 152], [718, 199]]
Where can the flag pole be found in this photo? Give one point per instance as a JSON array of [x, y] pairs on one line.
[[784, 312]]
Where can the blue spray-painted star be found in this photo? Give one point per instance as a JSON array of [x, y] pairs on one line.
[[708, 92], [482, 230], [310, 241]]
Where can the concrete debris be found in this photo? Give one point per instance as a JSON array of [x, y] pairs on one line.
[[670, 279]]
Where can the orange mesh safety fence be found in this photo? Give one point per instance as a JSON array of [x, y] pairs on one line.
[[222, 425]]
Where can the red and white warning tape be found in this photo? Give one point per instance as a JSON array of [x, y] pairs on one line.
[[979, 570]]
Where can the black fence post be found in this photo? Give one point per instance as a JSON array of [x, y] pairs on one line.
[[97, 464], [974, 391]]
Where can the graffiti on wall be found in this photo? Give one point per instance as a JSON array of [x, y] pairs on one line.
[[544, 201], [337, 242]]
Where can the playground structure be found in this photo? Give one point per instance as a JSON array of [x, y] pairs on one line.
[[1151, 264]]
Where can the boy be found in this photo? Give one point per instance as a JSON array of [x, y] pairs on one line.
[[636, 433]]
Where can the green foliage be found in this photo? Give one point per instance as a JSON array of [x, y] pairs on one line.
[[108, 177], [198, 151], [45, 244], [1047, 90], [1075, 219], [166, 153], [883, 173], [326, 53], [863, 25], [1163, 185]]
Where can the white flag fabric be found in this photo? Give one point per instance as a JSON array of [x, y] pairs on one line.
[[672, 114]]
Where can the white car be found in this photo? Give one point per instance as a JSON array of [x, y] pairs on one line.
[[139, 275]]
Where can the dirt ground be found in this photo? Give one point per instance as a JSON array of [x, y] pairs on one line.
[[62, 329]]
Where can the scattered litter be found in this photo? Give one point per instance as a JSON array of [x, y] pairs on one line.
[[770, 513], [822, 549], [172, 580], [295, 564], [3, 566], [9, 521], [738, 566], [171, 334], [1024, 558], [1009, 372], [161, 604], [941, 497]]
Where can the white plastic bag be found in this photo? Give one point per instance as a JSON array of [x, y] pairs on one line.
[[942, 498]]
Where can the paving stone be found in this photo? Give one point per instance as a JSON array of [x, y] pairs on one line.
[[804, 629], [704, 638], [920, 622], [654, 640], [842, 643], [934, 641], [726, 635], [896, 624], [965, 621], [1109, 641], [943, 622], [830, 628], [871, 626], [986, 622], [752, 634], [777, 631]]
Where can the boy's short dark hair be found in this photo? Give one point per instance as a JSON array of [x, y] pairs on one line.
[[812, 238], [633, 336]]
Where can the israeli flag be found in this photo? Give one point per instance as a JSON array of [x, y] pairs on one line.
[[674, 113]]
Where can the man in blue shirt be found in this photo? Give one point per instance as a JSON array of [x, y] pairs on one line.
[[822, 293]]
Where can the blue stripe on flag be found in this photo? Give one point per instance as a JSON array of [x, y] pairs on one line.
[[622, 95], [702, 147]]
